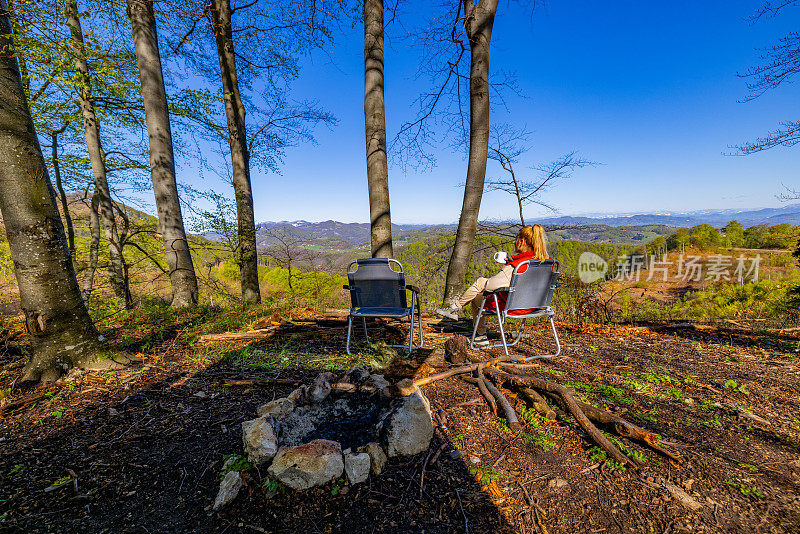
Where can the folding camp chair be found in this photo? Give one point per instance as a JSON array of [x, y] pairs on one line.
[[527, 296], [377, 290]]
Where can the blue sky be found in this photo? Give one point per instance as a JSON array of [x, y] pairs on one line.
[[647, 89]]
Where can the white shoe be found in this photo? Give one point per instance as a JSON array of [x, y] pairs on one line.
[[481, 340], [450, 313]]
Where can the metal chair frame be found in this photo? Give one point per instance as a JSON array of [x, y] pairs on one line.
[[538, 311], [357, 310]]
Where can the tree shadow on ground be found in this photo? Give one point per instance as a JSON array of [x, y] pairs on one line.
[[147, 449]]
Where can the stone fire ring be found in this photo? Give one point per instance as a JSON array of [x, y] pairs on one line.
[[349, 426]]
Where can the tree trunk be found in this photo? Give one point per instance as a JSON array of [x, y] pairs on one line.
[[478, 25], [375, 122], [61, 193], [240, 153], [162, 160], [23, 66], [92, 127], [94, 246], [61, 332]]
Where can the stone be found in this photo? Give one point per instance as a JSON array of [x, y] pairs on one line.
[[279, 408], [228, 489], [377, 457], [320, 388], [406, 387], [260, 442], [356, 467], [557, 483], [410, 427], [298, 396], [357, 375], [375, 383], [311, 464]]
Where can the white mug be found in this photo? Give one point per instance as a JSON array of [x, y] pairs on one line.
[[501, 257]]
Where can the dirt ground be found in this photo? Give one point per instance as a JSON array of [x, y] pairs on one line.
[[140, 450]]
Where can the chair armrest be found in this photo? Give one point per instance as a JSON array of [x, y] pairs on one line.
[[413, 288]]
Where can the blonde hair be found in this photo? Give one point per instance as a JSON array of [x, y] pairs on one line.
[[533, 238]]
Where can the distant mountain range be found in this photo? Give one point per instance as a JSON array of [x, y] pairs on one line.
[[786, 214], [633, 228]]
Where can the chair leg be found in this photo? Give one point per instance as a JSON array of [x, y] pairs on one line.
[[349, 328], [419, 321], [518, 336], [555, 336], [411, 332], [558, 345], [366, 334], [477, 322], [500, 322]]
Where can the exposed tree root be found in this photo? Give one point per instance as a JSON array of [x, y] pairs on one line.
[[511, 371]]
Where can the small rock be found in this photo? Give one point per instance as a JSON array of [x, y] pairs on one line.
[[201, 394], [298, 396], [113, 412], [406, 387], [357, 375], [455, 454], [279, 408], [320, 388], [377, 457], [557, 483], [375, 383], [311, 464], [688, 400], [410, 427], [474, 460], [260, 442], [228, 489], [356, 467], [228, 463]]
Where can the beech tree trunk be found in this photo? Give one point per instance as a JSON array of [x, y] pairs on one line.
[[94, 246], [61, 193], [478, 22], [93, 145], [375, 122], [240, 153], [61, 332], [162, 159]]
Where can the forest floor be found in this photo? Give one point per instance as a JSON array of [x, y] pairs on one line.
[[140, 450]]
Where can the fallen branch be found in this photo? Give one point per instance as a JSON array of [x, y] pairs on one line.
[[481, 384], [511, 415], [239, 336], [465, 369], [627, 429], [571, 404], [539, 404], [262, 382]]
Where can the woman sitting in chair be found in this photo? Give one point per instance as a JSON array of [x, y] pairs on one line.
[[530, 244]]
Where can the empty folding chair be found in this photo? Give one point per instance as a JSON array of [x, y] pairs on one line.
[[377, 290], [527, 296]]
